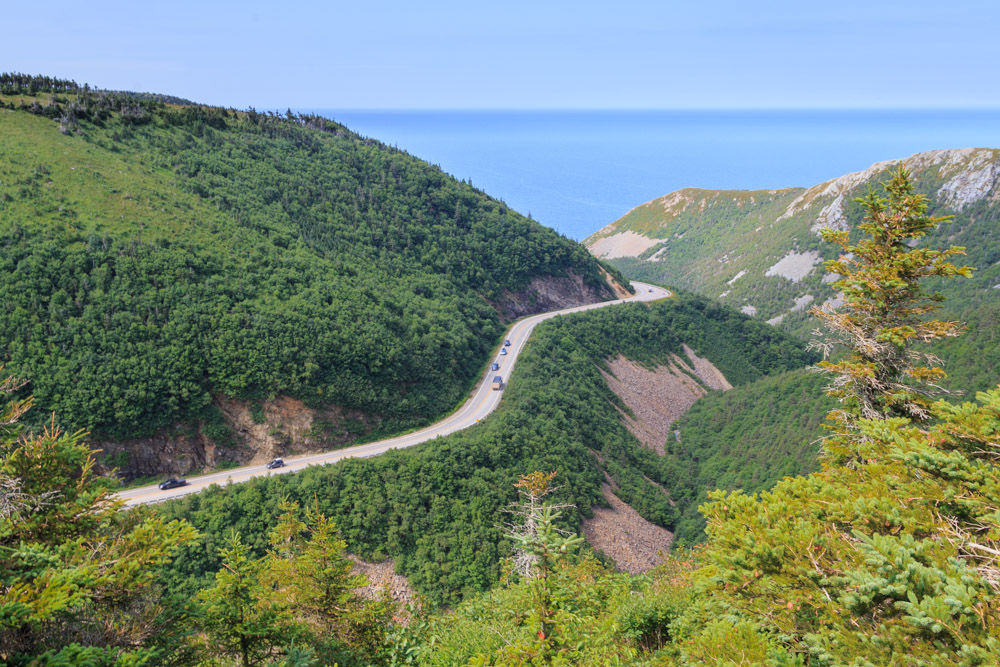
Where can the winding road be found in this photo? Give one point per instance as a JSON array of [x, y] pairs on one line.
[[483, 401]]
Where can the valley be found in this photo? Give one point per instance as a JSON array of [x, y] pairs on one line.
[[644, 475], [483, 401]]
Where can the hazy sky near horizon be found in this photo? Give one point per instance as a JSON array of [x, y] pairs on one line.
[[441, 54]]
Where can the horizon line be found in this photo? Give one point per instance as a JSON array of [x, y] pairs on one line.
[[706, 109]]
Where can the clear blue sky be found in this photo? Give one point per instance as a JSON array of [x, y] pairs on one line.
[[430, 54]]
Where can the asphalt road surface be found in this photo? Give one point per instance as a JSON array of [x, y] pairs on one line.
[[483, 401]]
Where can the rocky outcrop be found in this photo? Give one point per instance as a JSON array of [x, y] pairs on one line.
[[178, 450], [257, 432], [795, 265], [545, 293]]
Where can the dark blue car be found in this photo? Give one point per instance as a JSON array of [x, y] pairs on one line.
[[172, 483]]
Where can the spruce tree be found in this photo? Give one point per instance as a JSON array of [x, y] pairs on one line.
[[889, 554], [885, 307], [77, 574]]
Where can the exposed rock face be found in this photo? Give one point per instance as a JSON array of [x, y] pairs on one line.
[[795, 265], [625, 244], [974, 174], [972, 183], [831, 216], [283, 426], [636, 545], [801, 302], [546, 293], [833, 303], [177, 451], [618, 289]]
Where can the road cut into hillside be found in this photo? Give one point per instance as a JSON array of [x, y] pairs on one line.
[[483, 401]]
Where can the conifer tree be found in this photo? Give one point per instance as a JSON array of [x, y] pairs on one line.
[[77, 575], [889, 554], [885, 306], [539, 545], [308, 568], [242, 620]]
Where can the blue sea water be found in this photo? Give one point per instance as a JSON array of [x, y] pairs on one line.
[[580, 170]]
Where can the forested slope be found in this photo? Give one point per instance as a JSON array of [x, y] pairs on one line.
[[157, 256], [437, 509], [746, 438]]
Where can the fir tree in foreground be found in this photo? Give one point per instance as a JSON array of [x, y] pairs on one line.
[[880, 278], [77, 575], [888, 555]]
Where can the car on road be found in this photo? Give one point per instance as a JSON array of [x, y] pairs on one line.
[[650, 289], [497, 383], [506, 343], [276, 463], [495, 366], [502, 351], [172, 483]]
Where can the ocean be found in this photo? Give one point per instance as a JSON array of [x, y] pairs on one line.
[[577, 171]]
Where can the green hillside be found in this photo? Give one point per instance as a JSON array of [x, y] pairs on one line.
[[760, 250], [437, 509], [746, 438], [157, 256]]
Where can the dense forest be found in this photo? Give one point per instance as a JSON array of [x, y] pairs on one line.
[[437, 509], [155, 256], [778, 580], [746, 438], [885, 555]]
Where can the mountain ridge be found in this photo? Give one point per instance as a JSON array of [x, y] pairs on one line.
[[158, 257], [760, 251]]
